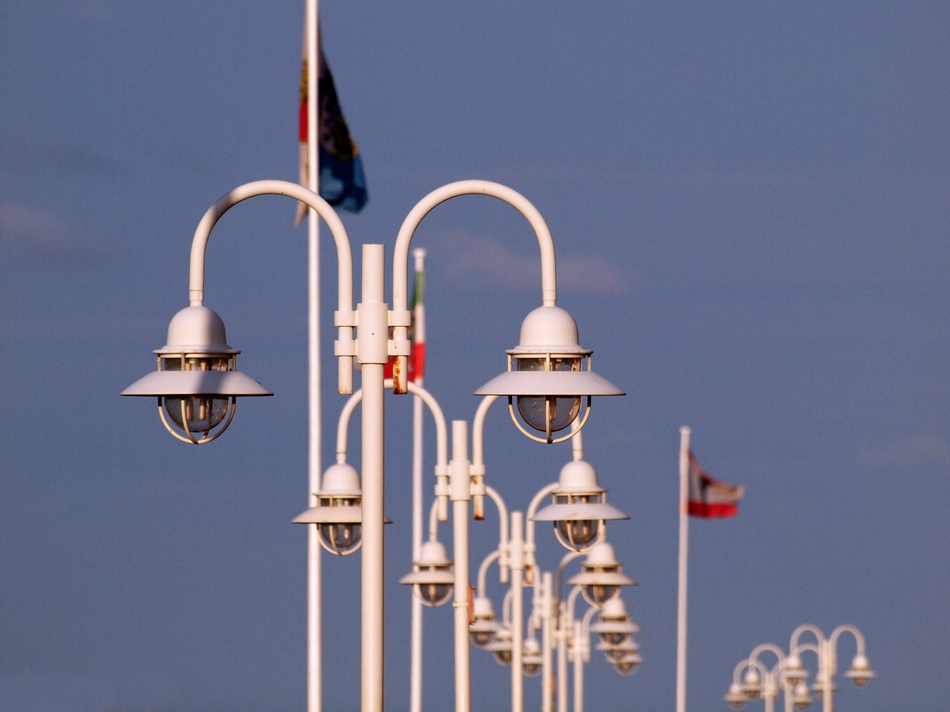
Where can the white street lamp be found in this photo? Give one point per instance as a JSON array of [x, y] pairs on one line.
[[758, 681], [578, 507], [433, 579], [338, 514], [860, 672], [197, 382], [614, 625], [484, 626], [615, 653], [549, 375], [628, 664], [532, 661], [600, 578]]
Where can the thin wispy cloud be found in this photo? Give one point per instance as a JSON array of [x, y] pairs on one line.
[[25, 149], [39, 236], [484, 261], [915, 449]]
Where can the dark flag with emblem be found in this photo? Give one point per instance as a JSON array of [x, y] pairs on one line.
[[342, 183]]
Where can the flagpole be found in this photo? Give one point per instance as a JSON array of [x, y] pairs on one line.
[[683, 570], [415, 665], [314, 602]]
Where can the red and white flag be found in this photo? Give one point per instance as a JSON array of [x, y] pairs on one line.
[[709, 498]]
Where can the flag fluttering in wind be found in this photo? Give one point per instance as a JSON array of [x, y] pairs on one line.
[[342, 183], [417, 330], [709, 498]]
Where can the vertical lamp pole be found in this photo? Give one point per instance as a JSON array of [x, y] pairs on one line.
[[314, 589], [372, 353]]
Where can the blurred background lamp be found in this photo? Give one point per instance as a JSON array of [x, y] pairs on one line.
[[600, 578], [432, 581]]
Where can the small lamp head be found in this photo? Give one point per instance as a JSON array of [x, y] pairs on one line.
[[860, 673], [578, 508], [735, 697], [628, 664], [483, 626], [752, 684], [600, 578], [614, 625], [801, 697], [500, 647], [432, 581], [793, 671], [339, 512], [531, 660]]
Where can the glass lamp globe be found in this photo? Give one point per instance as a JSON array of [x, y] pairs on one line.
[[628, 664], [197, 382], [548, 377], [338, 513], [432, 581]]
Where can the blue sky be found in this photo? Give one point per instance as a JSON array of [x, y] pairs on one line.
[[750, 207]]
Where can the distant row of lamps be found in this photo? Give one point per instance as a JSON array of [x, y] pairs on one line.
[[753, 680]]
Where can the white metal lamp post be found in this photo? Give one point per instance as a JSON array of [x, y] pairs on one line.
[[758, 681], [859, 673], [548, 374]]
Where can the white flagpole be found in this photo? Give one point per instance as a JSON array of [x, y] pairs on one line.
[[415, 663], [314, 602], [683, 570]]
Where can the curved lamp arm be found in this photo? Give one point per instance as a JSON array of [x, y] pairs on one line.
[[569, 608], [503, 532], [441, 436], [559, 574], [440, 195], [767, 647], [806, 628], [477, 468], [529, 546], [506, 609], [833, 645], [434, 521], [199, 244], [747, 663], [585, 622], [483, 571]]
